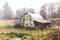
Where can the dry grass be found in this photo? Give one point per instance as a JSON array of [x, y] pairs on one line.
[[36, 34], [4, 23]]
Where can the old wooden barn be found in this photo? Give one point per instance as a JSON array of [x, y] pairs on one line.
[[34, 20]]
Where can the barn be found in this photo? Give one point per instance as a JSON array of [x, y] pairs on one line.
[[34, 20]]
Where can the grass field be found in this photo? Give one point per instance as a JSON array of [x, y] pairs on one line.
[[4, 23], [36, 34]]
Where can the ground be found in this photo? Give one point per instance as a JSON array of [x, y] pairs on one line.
[[6, 26]]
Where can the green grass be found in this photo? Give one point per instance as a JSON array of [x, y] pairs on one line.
[[4, 23], [9, 36], [36, 34]]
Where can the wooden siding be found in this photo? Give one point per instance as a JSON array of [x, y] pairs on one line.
[[27, 21]]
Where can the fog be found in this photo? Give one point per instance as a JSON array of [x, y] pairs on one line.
[[17, 4]]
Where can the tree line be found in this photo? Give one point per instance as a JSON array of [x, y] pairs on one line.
[[47, 11], [8, 13], [50, 11]]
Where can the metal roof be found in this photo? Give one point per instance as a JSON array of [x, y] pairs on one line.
[[37, 17]]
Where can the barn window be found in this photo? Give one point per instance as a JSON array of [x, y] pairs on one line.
[[30, 19], [31, 24], [23, 19], [26, 24]]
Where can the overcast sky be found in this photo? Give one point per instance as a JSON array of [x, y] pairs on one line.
[[17, 4]]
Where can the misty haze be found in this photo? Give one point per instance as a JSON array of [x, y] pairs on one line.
[[29, 20]]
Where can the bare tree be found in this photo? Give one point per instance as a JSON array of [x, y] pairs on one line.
[[7, 11], [51, 11], [20, 12], [30, 10], [54, 15], [58, 14], [1, 13], [43, 12]]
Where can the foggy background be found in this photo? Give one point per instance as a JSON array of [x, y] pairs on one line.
[[16, 8], [17, 4]]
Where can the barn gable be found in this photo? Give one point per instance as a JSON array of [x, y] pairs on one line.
[[27, 21]]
